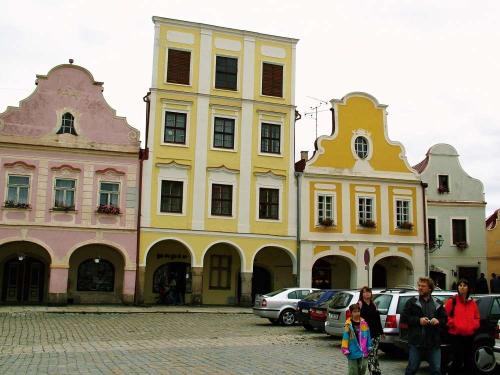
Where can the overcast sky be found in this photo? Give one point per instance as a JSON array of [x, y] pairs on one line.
[[434, 63]]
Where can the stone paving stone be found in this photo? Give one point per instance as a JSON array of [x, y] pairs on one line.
[[173, 343]]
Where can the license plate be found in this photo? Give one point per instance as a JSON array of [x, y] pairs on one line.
[[305, 311]]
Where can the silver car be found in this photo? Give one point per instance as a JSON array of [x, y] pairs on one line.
[[279, 306]]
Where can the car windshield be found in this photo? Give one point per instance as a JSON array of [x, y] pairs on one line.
[[383, 301], [275, 292], [341, 300], [314, 296]]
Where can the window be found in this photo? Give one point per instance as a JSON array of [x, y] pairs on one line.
[[67, 124], [268, 204], [402, 212], [365, 208], [224, 133], [361, 147], [222, 200], [96, 275], [175, 128], [226, 73], [443, 184], [18, 189], [65, 193], [270, 138], [325, 208], [431, 225], [220, 272], [109, 194], [171, 196], [459, 231], [178, 68], [272, 80]]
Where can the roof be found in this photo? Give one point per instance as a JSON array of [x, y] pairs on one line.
[[420, 167], [491, 221]]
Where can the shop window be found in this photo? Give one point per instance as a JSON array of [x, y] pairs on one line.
[[96, 275], [220, 272]]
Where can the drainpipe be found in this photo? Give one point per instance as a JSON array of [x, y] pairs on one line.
[[297, 177], [143, 155], [426, 243]]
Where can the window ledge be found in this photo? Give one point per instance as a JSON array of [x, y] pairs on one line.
[[74, 211], [271, 154], [226, 90], [272, 96], [107, 214], [16, 208]]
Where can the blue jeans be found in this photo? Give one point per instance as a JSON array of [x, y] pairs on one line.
[[433, 356]]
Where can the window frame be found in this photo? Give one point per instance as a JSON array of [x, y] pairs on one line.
[[190, 66], [8, 186], [231, 189], [271, 124], [259, 203], [182, 197], [219, 269], [366, 147], [167, 111], [397, 221], [75, 189], [222, 148], [328, 194], [466, 231], [374, 209], [438, 178], [71, 127], [432, 241], [236, 74], [282, 79], [118, 193]]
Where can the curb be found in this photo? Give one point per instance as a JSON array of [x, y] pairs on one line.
[[129, 310]]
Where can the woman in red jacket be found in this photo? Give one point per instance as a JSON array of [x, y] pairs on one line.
[[463, 321]]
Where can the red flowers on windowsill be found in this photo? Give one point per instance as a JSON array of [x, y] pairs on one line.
[[108, 209]]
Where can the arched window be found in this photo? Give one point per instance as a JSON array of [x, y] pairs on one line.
[[96, 275], [67, 124], [361, 147]]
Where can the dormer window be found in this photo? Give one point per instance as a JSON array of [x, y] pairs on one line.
[[67, 124], [361, 147], [443, 184]]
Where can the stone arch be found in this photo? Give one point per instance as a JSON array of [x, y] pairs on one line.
[[292, 256], [129, 264], [329, 270], [42, 244], [232, 244], [193, 258], [398, 271]]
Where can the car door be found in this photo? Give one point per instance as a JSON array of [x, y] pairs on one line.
[[297, 295]]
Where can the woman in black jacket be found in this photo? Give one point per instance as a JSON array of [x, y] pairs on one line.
[[370, 313]]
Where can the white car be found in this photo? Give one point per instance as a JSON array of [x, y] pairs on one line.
[[496, 348], [279, 306]]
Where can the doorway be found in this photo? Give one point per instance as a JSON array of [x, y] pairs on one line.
[[170, 281], [379, 277], [439, 279], [261, 281], [470, 274], [23, 280]]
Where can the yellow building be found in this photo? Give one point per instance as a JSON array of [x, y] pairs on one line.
[[218, 199], [493, 244], [360, 198]]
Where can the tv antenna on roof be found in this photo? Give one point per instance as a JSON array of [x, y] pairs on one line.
[[314, 113]]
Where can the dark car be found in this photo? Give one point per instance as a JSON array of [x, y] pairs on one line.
[[313, 302], [483, 356]]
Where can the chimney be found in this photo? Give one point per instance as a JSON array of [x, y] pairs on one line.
[[304, 155]]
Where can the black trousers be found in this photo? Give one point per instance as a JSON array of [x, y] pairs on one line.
[[461, 351]]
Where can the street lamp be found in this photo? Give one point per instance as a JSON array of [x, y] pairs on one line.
[[436, 245]]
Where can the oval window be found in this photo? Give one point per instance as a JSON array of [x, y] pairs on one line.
[[361, 147]]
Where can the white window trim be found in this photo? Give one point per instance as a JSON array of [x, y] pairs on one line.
[[410, 209], [236, 132], [164, 116], [7, 175], [190, 66], [467, 226], [238, 84], [76, 121], [334, 206], [362, 133], [374, 213], [280, 123], [184, 196], [233, 200], [75, 200], [283, 91], [268, 182], [108, 181]]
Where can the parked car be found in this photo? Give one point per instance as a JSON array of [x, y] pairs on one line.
[[280, 306], [496, 348], [309, 306], [390, 304]]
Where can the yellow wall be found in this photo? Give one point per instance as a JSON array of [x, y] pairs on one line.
[[493, 249], [392, 209]]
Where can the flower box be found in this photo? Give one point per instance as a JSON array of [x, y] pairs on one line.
[[327, 222], [443, 189], [64, 208], [12, 204], [461, 245], [368, 224], [108, 209], [405, 225]]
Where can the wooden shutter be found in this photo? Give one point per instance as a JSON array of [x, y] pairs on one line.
[[178, 66], [272, 80]]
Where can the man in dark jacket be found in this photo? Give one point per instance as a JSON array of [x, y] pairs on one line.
[[425, 316], [481, 285]]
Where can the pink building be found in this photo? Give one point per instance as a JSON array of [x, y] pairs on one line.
[[69, 180]]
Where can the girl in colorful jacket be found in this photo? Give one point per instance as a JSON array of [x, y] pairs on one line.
[[463, 321], [356, 342]]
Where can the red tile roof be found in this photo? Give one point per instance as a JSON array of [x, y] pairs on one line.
[[491, 221]]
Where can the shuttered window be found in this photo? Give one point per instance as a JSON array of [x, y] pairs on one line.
[[178, 66], [272, 80], [459, 230]]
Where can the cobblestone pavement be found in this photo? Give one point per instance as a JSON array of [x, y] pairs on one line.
[[173, 343]]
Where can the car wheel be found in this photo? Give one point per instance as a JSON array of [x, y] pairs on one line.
[[484, 358], [287, 317], [308, 327], [274, 321]]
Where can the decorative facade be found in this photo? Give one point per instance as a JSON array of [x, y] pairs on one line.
[[360, 203], [69, 186], [218, 208], [456, 212]]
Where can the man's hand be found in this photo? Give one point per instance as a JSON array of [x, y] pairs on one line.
[[434, 322], [424, 321]]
